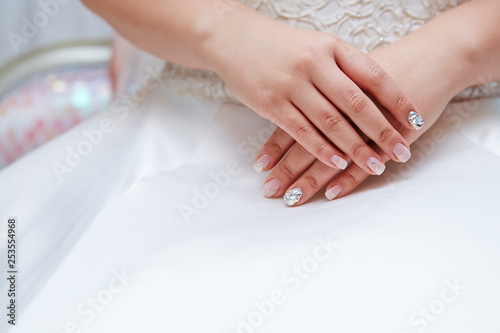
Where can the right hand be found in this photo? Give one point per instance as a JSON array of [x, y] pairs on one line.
[[307, 83]]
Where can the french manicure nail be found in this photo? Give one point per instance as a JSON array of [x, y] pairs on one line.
[[376, 166], [416, 121], [262, 163], [333, 192], [339, 162], [293, 196], [271, 187], [402, 153]]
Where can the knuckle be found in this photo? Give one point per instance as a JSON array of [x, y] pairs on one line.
[[385, 136], [323, 40], [274, 146], [300, 153], [332, 122], [357, 149], [286, 171], [326, 38], [341, 47], [319, 148], [376, 75], [311, 181], [358, 103], [304, 131], [269, 100], [274, 118], [270, 96], [310, 57], [401, 102], [351, 179]]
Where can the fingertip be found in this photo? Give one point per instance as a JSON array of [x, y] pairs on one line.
[[333, 192], [402, 152], [293, 196], [339, 162], [262, 163], [415, 120], [271, 188], [376, 166]]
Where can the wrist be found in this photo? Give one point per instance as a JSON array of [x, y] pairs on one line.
[[213, 34], [224, 35]]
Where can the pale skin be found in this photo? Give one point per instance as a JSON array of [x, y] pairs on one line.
[[303, 81], [454, 51]]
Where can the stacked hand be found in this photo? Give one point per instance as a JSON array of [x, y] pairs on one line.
[[333, 105], [299, 175], [430, 65], [310, 84]]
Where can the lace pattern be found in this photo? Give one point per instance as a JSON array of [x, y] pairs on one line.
[[366, 24]]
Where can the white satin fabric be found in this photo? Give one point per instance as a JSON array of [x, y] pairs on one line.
[[404, 238], [125, 243]]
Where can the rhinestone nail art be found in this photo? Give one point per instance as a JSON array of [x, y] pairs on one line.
[[416, 121], [293, 196], [376, 166]]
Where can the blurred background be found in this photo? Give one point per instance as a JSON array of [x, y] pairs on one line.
[[54, 58]]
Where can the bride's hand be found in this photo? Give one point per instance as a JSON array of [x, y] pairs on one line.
[[306, 82], [299, 172], [299, 169]]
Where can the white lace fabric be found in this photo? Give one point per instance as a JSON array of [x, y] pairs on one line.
[[365, 24]]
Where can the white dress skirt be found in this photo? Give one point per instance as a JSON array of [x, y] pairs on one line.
[[150, 218]]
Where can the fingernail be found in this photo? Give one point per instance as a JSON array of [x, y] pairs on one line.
[[339, 162], [416, 121], [293, 196], [271, 187], [333, 192], [402, 153], [376, 166], [262, 163]]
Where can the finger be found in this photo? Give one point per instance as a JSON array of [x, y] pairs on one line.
[[273, 150], [347, 181], [351, 100], [334, 125], [309, 183], [369, 76], [288, 170], [305, 133]]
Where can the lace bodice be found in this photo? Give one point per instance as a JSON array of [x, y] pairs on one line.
[[366, 24]]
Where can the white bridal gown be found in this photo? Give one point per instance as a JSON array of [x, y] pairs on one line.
[[159, 224]]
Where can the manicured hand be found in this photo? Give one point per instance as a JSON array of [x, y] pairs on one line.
[[310, 84]]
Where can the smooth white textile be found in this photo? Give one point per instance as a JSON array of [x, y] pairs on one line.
[[425, 236], [400, 239]]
